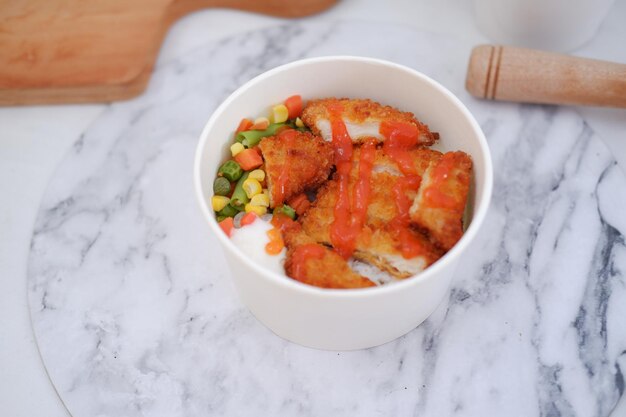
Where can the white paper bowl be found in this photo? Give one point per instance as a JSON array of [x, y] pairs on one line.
[[357, 318]]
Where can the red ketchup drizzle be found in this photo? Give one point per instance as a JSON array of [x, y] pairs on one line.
[[399, 225], [276, 244], [433, 195], [362, 189], [349, 216], [289, 137], [301, 255], [399, 138], [342, 142]]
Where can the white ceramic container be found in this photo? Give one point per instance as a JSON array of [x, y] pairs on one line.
[[555, 25], [357, 318]]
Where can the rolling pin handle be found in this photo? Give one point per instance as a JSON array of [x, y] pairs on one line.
[[525, 75]]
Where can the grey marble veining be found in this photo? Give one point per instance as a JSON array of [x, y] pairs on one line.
[[134, 313]]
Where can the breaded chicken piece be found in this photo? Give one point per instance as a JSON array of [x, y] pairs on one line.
[[381, 248], [421, 158], [362, 119], [440, 202], [385, 175], [294, 162], [378, 242], [311, 263]]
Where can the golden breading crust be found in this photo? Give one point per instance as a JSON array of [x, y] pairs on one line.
[[377, 244], [440, 202], [294, 162], [325, 269], [421, 157], [362, 118], [385, 175], [381, 250]]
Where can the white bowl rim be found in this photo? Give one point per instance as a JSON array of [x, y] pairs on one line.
[[479, 212]]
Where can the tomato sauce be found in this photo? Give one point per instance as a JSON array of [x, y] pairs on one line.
[[349, 214], [434, 195], [400, 190], [341, 230], [362, 189], [342, 143], [301, 255], [276, 243], [410, 245], [399, 225], [399, 138]]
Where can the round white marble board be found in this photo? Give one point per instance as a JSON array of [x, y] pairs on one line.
[[134, 313]]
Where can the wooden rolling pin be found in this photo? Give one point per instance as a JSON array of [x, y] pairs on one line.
[[526, 75]]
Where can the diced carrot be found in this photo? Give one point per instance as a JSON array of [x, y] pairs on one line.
[[257, 149], [249, 159], [260, 123], [248, 218], [244, 125], [294, 105], [299, 203], [227, 225]]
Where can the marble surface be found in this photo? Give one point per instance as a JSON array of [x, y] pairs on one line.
[[134, 313]]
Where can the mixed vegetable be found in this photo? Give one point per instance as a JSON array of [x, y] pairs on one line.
[[240, 189]]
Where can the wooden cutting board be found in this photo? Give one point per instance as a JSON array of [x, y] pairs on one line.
[[76, 51]]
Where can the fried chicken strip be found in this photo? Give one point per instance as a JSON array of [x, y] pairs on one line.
[[362, 117], [311, 263], [378, 242], [420, 157], [294, 162], [440, 201]]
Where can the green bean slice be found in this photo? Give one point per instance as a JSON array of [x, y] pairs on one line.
[[251, 138], [231, 170], [240, 198], [286, 210], [227, 211]]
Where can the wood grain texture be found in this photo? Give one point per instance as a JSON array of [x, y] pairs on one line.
[[526, 75], [73, 51]]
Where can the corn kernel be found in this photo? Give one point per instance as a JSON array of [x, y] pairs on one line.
[[258, 210], [257, 174], [219, 202], [266, 192], [299, 122], [252, 187], [280, 113], [235, 148], [260, 200]]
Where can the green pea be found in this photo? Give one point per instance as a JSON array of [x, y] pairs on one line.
[[221, 186]]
